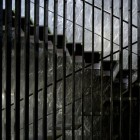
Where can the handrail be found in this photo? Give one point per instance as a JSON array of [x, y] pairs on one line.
[[109, 13], [78, 99], [59, 80], [87, 28]]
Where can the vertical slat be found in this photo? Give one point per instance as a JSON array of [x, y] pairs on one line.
[[130, 63], [83, 68], [8, 48], [17, 67], [64, 69], [121, 62], [73, 72], [138, 51], [45, 68], [102, 55], [111, 69], [55, 69], [1, 45], [92, 72], [26, 70], [36, 55]]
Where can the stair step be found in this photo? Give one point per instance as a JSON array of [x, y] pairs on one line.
[[96, 114], [78, 51], [78, 47], [88, 57], [50, 135], [106, 67], [117, 100], [41, 43], [41, 31], [59, 40], [135, 91], [116, 84], [13, 22], [107, 64], [23, 23], [13, 28], [4, 12], [125, 73], [67, 127], [90, 114]]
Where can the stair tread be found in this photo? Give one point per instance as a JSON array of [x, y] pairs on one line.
[[67, 126], [50, 45], [95, 114], [23, 23], [13, 21], [41, 31], [13, 28], [59, 40], [78, 50], [117, 100], [50, 36], [50, 136], [107, 64], [4, 11], [88, 56], [125, 73], [90, 114], [135, 91]]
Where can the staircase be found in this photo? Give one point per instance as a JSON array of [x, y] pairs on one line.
[[106, 77]]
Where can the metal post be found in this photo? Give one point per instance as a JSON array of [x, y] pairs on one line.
[[102, 55], [73, 71], [138, 32], [17, 67], [1, 46], [26, 70], [83, 69], [8, 48], [45, 69], [130, 63], [36, 55], [64, 69], [55, 69], [111, 69], [121, 62], [92, 72]]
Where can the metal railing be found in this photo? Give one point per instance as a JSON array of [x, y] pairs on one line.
[[126, 127]]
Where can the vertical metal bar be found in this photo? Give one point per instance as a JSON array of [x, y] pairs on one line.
[[17, 67], [92, 72], [1, 46], [121, 62], [64, 69], [83, 69], [55, 69], [130, 63], [26, 70], [45, 68], [138, 50], [36, 55], [111, 69], [102, 55], [8, 48], [73, 72]]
